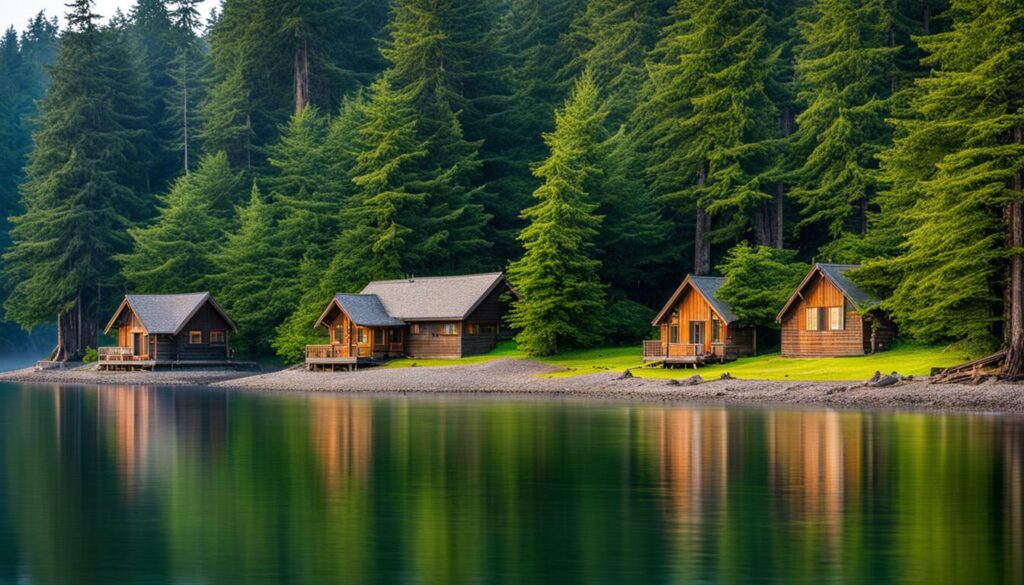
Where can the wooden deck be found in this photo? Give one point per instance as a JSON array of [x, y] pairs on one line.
[[682, 354], [333, 356]]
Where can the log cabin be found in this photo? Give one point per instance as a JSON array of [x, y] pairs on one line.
[[431, 317], [828, 315], [178, 330], [696, 327]]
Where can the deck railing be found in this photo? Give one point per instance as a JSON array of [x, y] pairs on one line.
[[118, 354], [654, 349], [685, 349], [327, 351]]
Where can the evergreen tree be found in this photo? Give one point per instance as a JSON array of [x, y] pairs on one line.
[[956, 178], [186, 91], [759, 281], [79, 195], [248, 271], [846, 69], [175, 253], [706, 119], [562, 296]]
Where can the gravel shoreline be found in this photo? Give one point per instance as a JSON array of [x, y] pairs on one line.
[[191, 377], [517, 377]]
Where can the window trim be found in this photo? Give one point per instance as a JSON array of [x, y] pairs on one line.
[[416, 329], [449, 329], [840, 315], [222, 334], [472, 329], [815, 324], [194, 332], [673, 333]]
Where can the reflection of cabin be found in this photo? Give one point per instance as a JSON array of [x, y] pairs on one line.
[[829, 315], [437, 317], [168, 330], [697, 327]]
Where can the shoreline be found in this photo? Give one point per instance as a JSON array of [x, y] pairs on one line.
[[521, 378]]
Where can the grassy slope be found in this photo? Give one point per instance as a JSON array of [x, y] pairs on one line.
[[906, 359]]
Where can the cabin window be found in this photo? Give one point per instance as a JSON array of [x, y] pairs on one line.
[[697, 332], [395, 335], [415, 328], [217, 337], [835, 318], [472, 329], [361, 335], [716, 330], [489, 329], [339, 333], [195, 337], [673, 333], [814, 319], [450, 329]]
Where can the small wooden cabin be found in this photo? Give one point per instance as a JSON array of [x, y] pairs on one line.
[[696, 326], [434, 317], [168, 330], [828, 315]]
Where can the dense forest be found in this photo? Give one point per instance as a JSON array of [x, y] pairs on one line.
[[278, 151]]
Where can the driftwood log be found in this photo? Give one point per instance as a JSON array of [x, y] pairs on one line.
[[973, 372]]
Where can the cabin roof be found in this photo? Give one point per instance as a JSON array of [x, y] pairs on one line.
[[167, 314], [708, 287], [366, 311], [836, 274], [437, 298]]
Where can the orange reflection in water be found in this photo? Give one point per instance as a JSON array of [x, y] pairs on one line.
[[132, 413], [342, 437]]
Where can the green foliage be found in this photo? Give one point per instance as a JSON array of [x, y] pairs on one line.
[[952, 167], [174, 254], [758, 281], [246, 280], [90, 355], [626, 322], [558, 276], [80, 190]]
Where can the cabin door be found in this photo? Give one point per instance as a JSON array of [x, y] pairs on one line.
[[697, 336], [136, 344]]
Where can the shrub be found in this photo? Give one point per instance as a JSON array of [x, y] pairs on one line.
[[91, 355]]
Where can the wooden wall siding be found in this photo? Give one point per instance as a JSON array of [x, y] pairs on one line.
[[377, 343], [430, 343], [489, 313], [742, 341], [797, 341], [205, 320], [691, 307]]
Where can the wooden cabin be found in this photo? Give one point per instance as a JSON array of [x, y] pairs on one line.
[[168, 330], [828, 315], [696, 327], [433, 317]]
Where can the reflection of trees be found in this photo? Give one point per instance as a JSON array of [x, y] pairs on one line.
[[1013, 507]]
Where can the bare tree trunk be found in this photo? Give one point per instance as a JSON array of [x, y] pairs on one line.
[[763, 232], [701, 245], [1015, 306], [864, 215], [926, 19], [184, 107], [780, 187], [301, 76]]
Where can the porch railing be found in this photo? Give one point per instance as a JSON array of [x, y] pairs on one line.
[[118, 354], [654, 349], [327, 351], [685, 349]]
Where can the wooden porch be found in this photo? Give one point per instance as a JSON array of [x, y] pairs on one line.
[[350, 357], [123, 359], [683, 354]]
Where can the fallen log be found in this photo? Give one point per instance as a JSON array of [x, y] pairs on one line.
[[971, 372]]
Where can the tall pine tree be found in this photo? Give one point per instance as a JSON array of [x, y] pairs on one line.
[[79, 195], [557, 277]]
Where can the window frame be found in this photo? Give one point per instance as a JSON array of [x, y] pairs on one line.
[[416, 329], [214, 333], [836, 318], [814, 325], [361, 337], [449, 329], [673, 333], [191, 336], [716, 329], [472, 329]]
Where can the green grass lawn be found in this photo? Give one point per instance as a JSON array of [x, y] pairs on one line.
[[907, 359]]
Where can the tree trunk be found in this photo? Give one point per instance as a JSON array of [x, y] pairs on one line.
[[301, 76], [926, 19], [780, 187], [701, 245], [1015, 306], [184, 107]]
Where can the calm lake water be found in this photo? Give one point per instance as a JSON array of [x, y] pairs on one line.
[[181, 486]]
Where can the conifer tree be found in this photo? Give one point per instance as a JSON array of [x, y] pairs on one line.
[[955, 173], [558, 276], [186, 92], [79, 195], [175, 253], [247, 272], [706, 119], [846, 68]]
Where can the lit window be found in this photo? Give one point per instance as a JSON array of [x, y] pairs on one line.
[[339, 333], [451, 329], [362, 335], [835, 318], [195, 337], [415, 328], [812, 319], [216, 337], [472, 329]]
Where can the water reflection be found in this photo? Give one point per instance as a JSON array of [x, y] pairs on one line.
[[143, 485]]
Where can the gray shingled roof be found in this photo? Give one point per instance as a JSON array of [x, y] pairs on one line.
[[433, 298], [167, 314], [837, 274], [708, 286], [366, 311]]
